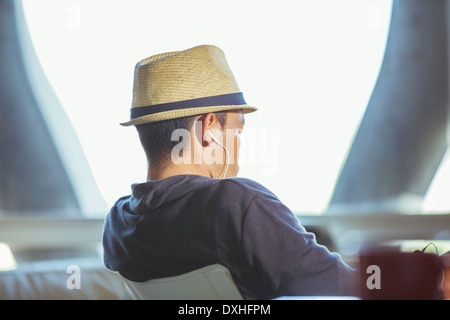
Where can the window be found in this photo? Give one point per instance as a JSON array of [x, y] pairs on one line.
[[309, 66]]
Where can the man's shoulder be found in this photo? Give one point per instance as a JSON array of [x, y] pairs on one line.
[[243, 182], [246, 185]]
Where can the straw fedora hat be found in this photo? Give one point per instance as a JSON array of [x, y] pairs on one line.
[[184, 83]]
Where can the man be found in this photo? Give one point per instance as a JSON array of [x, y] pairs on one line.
[[193, 211]]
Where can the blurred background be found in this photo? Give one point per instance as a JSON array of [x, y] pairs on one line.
[[350, 163], [309, 67]]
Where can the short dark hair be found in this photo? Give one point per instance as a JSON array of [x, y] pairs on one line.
[[156, 136]]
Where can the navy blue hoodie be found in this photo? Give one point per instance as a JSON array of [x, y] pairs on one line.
[[175, 225]]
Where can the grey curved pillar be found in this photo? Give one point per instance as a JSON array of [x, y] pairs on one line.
[[42, 166], [402, 137]]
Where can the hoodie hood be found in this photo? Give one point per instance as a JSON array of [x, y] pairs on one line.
[[132, 221], [153, 194]]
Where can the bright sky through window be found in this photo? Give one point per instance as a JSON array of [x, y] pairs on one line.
[[309, 66]]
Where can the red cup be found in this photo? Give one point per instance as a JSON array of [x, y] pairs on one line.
[[387, 274]]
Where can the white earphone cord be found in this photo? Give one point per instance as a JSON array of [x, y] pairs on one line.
[[227, 157], [227, 154]]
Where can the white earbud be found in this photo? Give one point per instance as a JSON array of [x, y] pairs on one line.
[[226, 151]]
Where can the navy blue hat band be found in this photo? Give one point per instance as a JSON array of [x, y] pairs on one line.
[[220, 100]]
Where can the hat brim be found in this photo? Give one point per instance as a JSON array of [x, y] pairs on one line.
[[181, 113]]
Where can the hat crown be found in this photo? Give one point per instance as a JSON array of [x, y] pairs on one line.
[[198, 72]]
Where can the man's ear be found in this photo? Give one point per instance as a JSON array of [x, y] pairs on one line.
[[207, 124]]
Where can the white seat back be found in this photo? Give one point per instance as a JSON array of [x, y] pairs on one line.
[[213, 282]]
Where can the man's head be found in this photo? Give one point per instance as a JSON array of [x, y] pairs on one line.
[[193, 92], [206, 144]]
